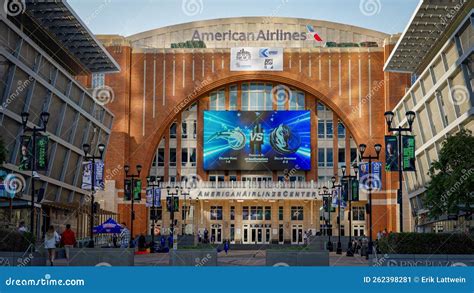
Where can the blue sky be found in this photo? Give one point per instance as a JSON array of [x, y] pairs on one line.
[[127, 17]]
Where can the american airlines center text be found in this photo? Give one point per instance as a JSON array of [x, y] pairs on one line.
[[261, 35]]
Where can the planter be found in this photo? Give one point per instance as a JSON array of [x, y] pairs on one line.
[[195, 258], [101, 257], [297, 258], [422, 260], [22, 259]]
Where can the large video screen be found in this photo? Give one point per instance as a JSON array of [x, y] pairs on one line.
[[257, 140]]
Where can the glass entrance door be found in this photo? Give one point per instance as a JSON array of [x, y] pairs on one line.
[[216, 233], [297, 234], [245, 235]]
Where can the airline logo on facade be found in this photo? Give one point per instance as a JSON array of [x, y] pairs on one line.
[[261, 35], [314, 35]]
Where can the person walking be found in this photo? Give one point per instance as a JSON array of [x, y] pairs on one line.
[[22, 228], [124, 236], [68, 240], [51, 239], [226, 246]]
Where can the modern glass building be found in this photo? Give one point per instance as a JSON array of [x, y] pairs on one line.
[[44, 48]]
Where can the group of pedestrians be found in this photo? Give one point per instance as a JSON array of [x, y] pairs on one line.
[[53, 240]]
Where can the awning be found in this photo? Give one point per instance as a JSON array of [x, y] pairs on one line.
[[427, 26], [58, 18]]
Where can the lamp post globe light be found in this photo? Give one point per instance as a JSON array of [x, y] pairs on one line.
[[338, 187], [44, 118], [410, 115], [362, 149], [326, 198], [153, 182], [132, 177], [349, 178], [92, 158]]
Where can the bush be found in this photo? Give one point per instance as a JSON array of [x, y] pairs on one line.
[[14, 241], [426, 243]]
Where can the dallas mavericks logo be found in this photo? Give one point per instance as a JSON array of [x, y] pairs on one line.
[[284, 141], [235, 138]]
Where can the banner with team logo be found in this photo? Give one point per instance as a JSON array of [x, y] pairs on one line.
[[87, 175], [256, 59]]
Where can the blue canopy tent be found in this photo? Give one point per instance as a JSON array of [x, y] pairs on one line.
[[109, 226]]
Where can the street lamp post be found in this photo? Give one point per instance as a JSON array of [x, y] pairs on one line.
[[132, 178], [171, 208], [389, 119], [91, 158], [326, 195], [152, 182], [349, 178], [185, 192], [338, 186], [362, 148], [44, 116]]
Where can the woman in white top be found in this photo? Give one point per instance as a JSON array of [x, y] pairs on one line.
[[51, 239]]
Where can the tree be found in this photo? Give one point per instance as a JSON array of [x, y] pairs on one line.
[[451, 189]]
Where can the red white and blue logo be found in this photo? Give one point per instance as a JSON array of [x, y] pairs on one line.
[[313, 33]]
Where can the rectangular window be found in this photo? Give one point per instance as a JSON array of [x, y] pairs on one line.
[[172, 157], [341, 155], [232, 232], [280, 213], [184, 129], [358, 213], [98, 80], [192, 156], [320, 107], [268, 97], [341, 130], [260, 213], [194, 128], [184, 156], [232, 213], [268, 213], [329, 129], [232, 178], [321, 161], [216, 213], [321, 129], [245, 213], [297, 213], [233, 97], [173, 130], [253, 213], [329, 157], [161, 157]]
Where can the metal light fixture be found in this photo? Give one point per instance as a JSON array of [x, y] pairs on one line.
[[126, 168], [389, 117], [101, 147], [362, 148], [333, 179], [45, 118], [343, 169], [139, 169], [410, 117], [24, 118], [378, 148], [86, 148]]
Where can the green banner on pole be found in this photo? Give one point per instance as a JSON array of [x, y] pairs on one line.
[[42, 153], [408, 151], [354, 190], [137, 190]]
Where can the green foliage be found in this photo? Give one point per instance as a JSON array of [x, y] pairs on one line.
[[14, 241], [451, 189], [426, 243]]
